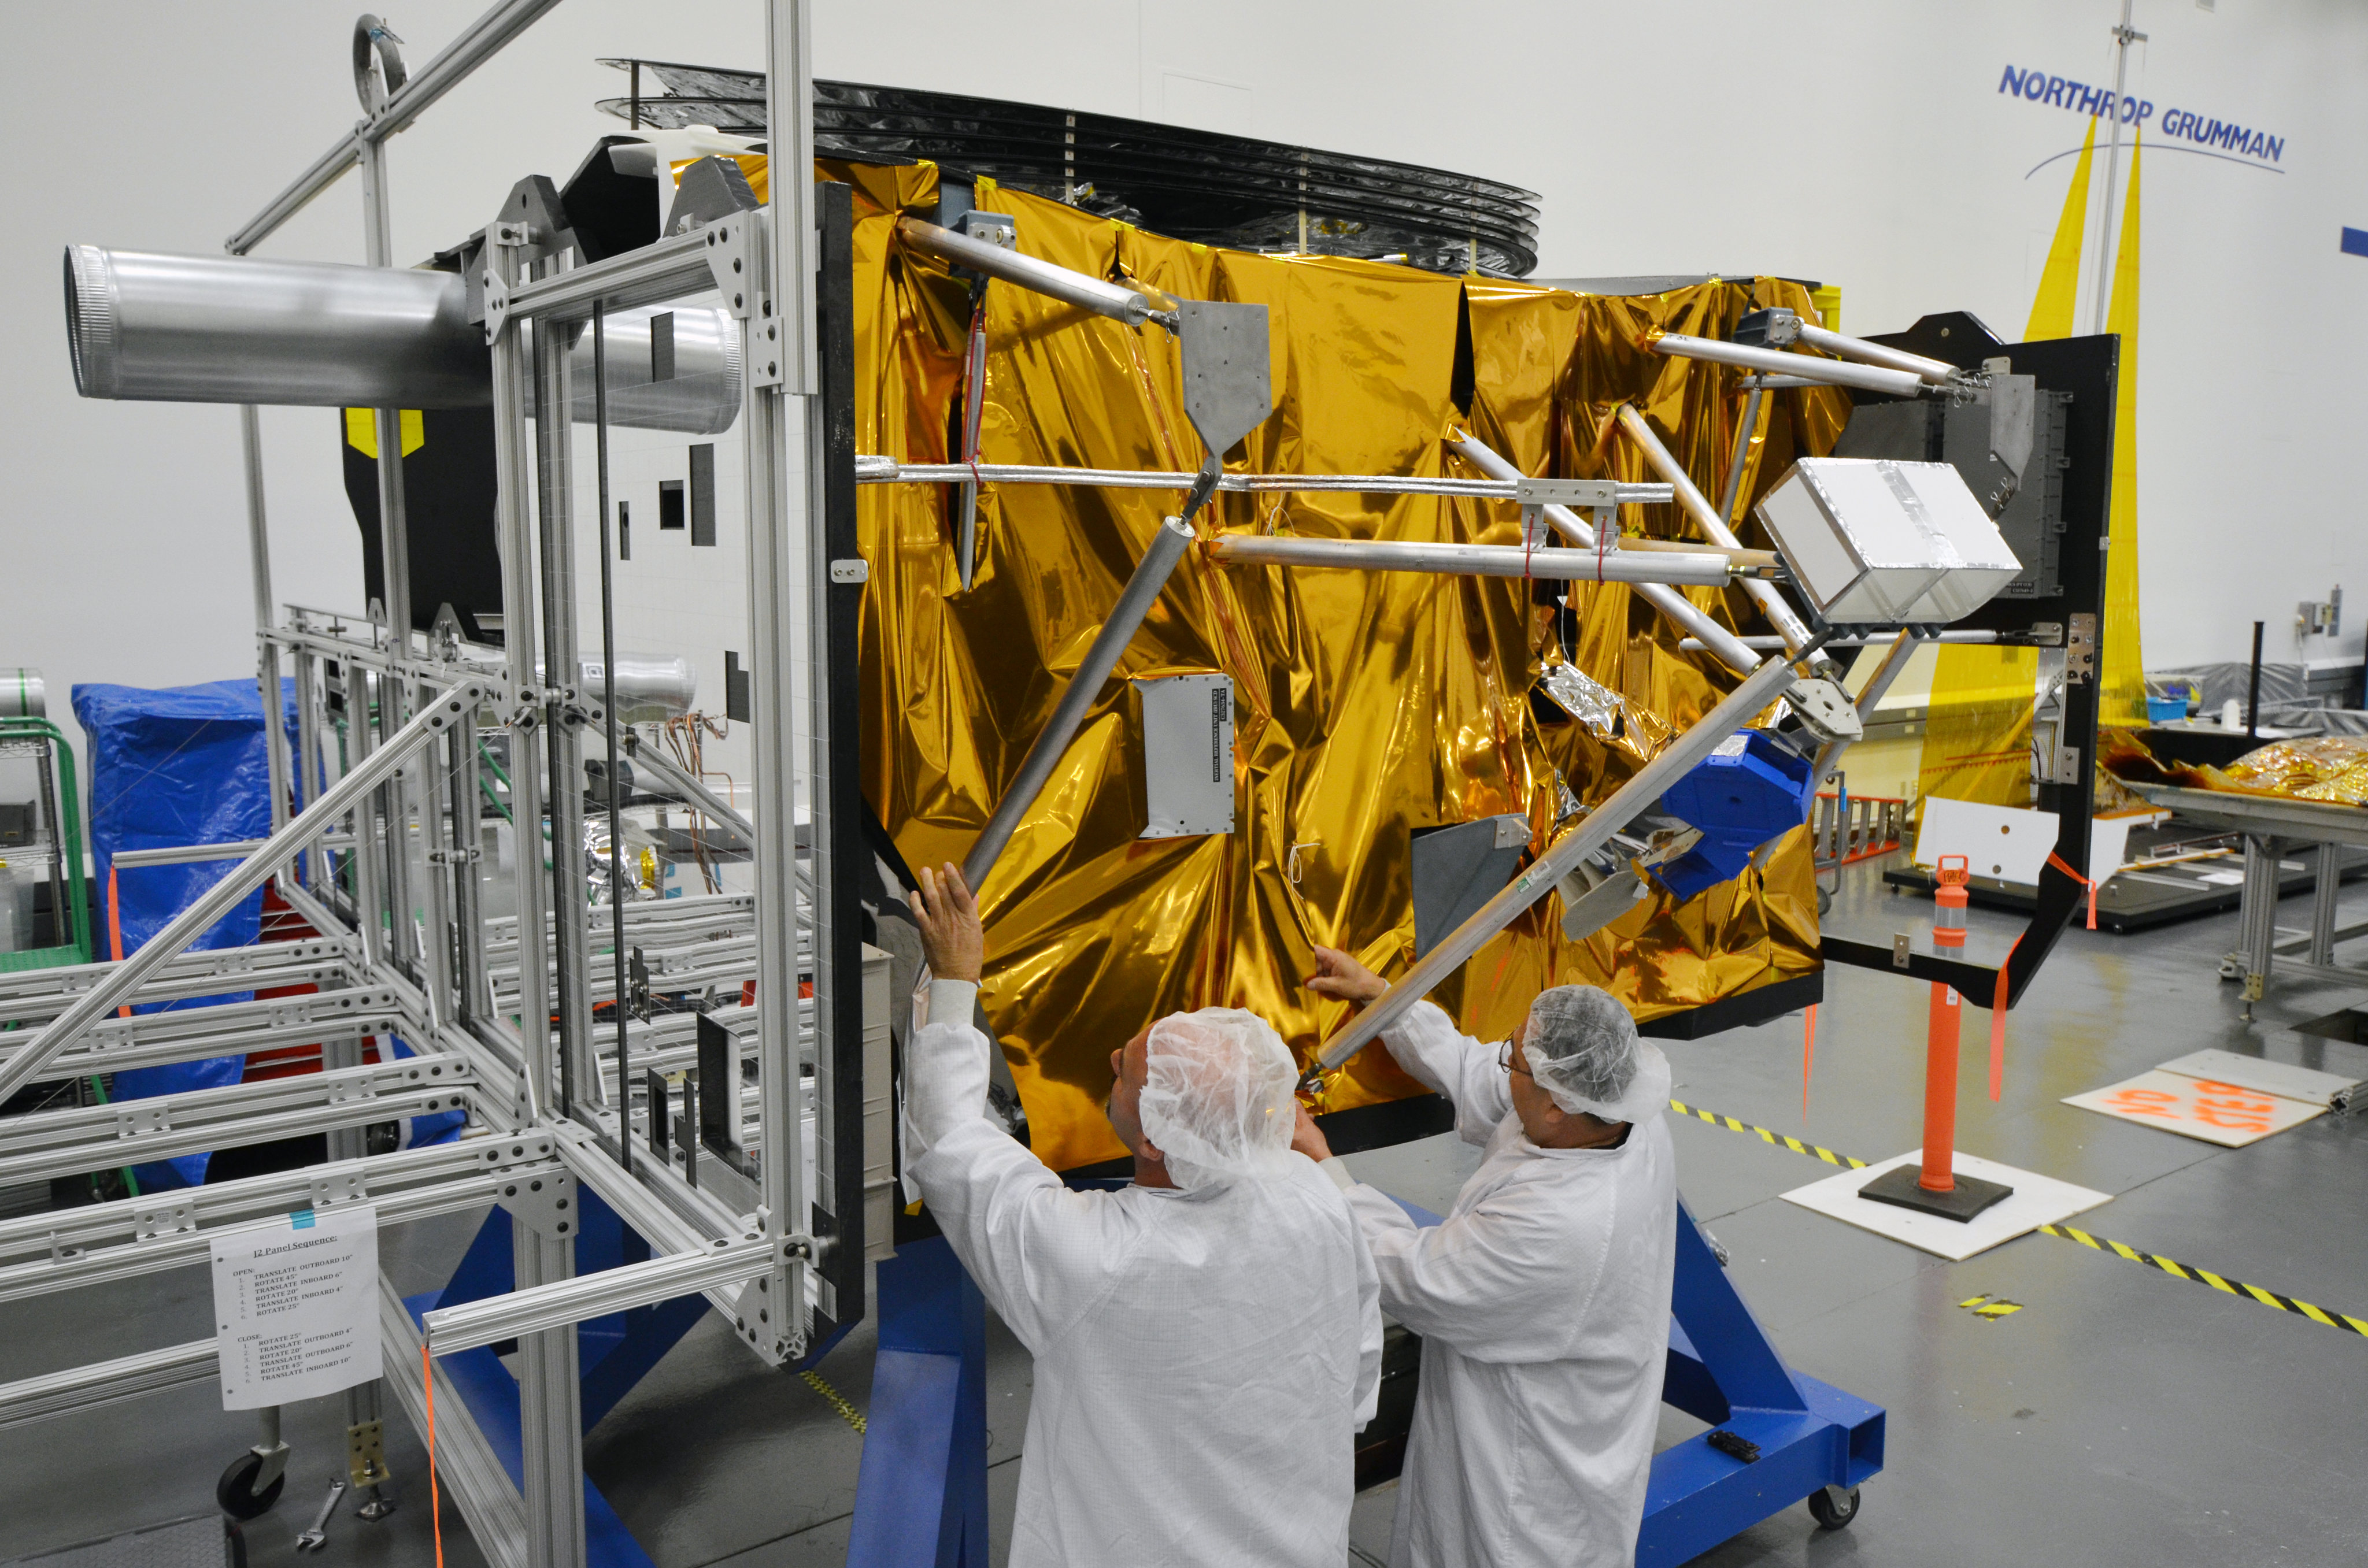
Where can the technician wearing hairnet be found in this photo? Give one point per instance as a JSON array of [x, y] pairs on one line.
[[1543, 1299], [1208, 1340]]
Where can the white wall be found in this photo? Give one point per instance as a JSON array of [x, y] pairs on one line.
[[1863, 143]]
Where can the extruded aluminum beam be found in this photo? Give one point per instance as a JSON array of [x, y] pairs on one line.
[[1770, 681], [470, 1474], [464, 1327], [106, 1383]]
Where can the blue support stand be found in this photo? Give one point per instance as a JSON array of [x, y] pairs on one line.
[[613, 1352], [920, 1498]]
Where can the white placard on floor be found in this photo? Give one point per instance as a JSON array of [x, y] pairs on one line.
[[2216, 1111], [2036, 1200], [296, 1306], [2287, 1082]]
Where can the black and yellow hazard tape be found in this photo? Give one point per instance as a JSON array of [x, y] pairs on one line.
[[2218, 1282], [846, 1412], [1780, 1140], [2177, 1270]]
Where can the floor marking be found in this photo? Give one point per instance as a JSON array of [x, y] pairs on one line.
[[1991, 1308], [1779, 1139], [2098, 1243], [846, 1412]]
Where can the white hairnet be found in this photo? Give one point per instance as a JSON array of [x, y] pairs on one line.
[[1583, 1049], [1217, 1098]]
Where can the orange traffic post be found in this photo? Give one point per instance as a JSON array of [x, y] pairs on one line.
[[1932, 1185]]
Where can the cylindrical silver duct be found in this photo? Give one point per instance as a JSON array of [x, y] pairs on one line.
[[669, 369], [649, 687], [22, 693], [153, 328], [233, 329]]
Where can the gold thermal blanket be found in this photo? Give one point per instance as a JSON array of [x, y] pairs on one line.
[[1368, 704]]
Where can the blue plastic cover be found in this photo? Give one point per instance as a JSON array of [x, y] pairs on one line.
[[1750, 789], [185, 764]]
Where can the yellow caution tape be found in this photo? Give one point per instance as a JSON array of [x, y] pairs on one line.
[[2098, 1243], [847, 1413]]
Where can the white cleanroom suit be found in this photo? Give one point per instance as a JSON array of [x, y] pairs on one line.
[[1543, 1306], [1203, 1356]]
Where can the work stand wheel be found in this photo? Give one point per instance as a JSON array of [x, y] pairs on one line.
[[1833, 1507], [235, 1491]]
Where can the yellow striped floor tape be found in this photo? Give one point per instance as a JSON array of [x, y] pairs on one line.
[[846, 1412], [2176, 1270]]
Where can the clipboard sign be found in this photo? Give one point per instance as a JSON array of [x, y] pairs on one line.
[[296, 1306]]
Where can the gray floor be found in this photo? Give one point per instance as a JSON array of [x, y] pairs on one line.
[[2122, 1416]]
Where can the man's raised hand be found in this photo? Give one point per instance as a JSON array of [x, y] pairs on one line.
[[950, 937], [1336, 974]]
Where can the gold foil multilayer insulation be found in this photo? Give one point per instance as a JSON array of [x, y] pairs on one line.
[[1368, 705], [2332, 768]]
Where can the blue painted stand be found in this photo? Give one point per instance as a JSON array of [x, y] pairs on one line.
[[614, 1352], [1722, 1370], [920, 1498]]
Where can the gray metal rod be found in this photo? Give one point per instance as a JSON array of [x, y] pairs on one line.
[[1749, 428], [1070, 287], [1836, 372], [258, 557], [1134, 602], [573, 1300], [1931, 372], [1697, 506], [124, 978], [1765, 685], [1689, 615], [1476, 559], [478, 43]]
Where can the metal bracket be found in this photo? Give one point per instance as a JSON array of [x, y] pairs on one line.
[[467, 857], [1566, 492], [507, 1154], [163, 1219], [545, 1202], [366, 1454], [2081, 650], [338, 1186], [140, 1117], [1902, 951], [497, 305], [857, 570], [735, 256], [1825, 711], [344, 1091]]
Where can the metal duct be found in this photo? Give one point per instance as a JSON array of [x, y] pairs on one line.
[[233, 329], [669, 369], [152, 327], [649, 687]]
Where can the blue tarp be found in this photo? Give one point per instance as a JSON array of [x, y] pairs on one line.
[[185, 764]]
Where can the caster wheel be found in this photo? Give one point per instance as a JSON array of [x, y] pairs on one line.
[[235, 1491], [1825, 900], [1833, 1507]]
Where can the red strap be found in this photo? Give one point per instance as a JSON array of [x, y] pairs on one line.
[[2057, 861], [434, 1502], [1998, 1025], [1808, 1056]]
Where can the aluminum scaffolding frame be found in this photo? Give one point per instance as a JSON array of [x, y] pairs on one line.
[[378, 844]]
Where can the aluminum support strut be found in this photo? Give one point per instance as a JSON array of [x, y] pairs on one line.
[[1121, 304], [1134, 602], [1781, 616], [1770, 681], [1683, 611], [1694, 568]]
